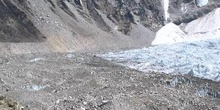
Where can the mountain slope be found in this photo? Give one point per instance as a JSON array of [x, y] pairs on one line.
[[29, 26], [15, 25]]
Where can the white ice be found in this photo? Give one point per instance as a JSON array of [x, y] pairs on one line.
[[201, 3], [166, 9]]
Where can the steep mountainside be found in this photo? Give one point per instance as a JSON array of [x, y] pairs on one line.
[[15, 26], [29, 26]]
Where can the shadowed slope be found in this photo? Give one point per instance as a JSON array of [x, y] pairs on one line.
[[15, 25]]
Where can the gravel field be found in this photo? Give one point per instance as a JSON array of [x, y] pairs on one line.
[[86, 82]]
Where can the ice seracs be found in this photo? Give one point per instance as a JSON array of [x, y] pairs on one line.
[[200, 58], [194, 52]]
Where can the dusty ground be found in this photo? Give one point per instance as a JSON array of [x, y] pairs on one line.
[[85, 82]]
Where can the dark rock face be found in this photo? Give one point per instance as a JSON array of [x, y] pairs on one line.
[[149, 13], [121, 13], [15, 26], [184, 11], [124, 13]]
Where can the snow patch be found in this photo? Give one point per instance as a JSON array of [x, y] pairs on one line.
[[37, 59], [35, 87], [70, 56], [207, 27], [169, 34], [208, 23], [116, 28]]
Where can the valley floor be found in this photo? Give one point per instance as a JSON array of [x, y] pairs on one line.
[[82, 81]]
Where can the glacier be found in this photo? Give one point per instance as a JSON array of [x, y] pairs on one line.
[[194, 51], [196, 58]]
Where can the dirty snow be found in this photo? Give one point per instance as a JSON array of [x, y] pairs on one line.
[[200, 59], [206, 27], [169, 34], [207, 23]]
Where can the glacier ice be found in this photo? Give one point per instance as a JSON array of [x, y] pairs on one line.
[[197, 58], [195, 52], [201, 3]]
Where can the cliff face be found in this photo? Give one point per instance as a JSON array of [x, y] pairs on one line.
[[150, 13], [88, 25], [121, 13], [185, 11]]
